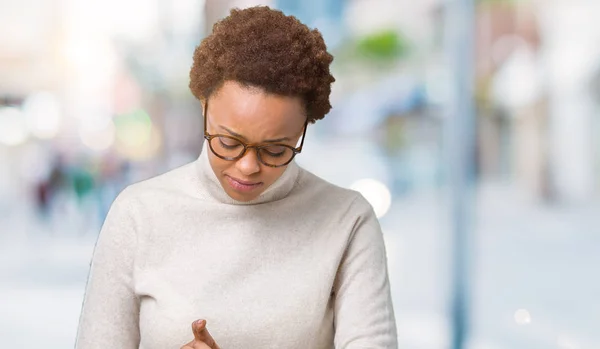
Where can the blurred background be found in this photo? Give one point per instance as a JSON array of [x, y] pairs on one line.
[[94, 96]]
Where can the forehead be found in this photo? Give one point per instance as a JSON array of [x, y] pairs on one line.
[[254, 113]]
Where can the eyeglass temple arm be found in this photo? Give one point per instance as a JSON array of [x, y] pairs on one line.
[[204, 116], [303, 136]]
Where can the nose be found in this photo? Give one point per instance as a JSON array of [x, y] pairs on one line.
[[249, 163]]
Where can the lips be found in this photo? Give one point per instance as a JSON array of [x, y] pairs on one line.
[[242, 185]]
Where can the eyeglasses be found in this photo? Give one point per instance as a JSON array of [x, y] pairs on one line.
[[232, 148]]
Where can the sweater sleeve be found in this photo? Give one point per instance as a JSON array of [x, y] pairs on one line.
[[363, 311], [110, 312]]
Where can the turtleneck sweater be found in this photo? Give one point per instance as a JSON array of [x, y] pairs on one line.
[[302, 266]]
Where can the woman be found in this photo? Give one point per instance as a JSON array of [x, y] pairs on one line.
[[268, 254]]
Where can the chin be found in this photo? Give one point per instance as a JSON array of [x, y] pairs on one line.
[[242, 198]]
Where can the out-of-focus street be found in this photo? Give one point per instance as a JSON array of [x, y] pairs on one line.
[[94, 96]]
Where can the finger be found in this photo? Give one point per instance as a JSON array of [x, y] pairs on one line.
[[201, 333], [197, 327], [195, 344]]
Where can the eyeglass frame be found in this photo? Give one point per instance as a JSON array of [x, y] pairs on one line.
[[257, 146]]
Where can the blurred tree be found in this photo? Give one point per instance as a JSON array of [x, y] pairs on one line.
[[384, 45], [372, 56]]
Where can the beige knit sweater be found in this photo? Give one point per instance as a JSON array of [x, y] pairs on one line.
[[302, 266]]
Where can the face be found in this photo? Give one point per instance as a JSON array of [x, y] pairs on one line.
[[254, 116]]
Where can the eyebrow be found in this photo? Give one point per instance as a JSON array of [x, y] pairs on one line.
[[245, 139]]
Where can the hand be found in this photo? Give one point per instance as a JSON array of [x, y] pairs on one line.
[[202, 339]]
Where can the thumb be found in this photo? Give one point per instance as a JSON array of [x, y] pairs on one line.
[[201, 333], [197, 327]]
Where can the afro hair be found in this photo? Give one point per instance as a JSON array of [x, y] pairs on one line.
[[264, 48]]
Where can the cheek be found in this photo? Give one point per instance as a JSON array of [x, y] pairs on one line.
[[218, 165]]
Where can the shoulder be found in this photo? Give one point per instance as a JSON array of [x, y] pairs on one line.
[[158, 189], [315, 189], [344, 209], [176, 181]]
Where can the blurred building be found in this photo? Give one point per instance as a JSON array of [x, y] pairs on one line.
[[537, 113], [512, 108]]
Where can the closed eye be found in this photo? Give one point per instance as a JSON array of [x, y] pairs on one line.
[[228, 144], [275, 154], [275, 151]]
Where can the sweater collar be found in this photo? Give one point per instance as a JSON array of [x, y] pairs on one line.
[[213, 189]]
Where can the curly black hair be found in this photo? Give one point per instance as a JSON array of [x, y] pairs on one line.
[[262, 47]]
